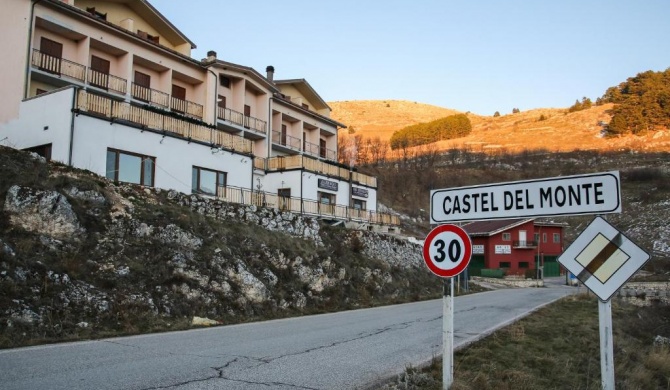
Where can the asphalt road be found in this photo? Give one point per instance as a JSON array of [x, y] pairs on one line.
[[343, 350]]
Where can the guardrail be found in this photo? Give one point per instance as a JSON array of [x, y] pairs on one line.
[[304, 206]]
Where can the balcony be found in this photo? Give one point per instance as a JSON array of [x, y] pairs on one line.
[[149, 95], [304, 206], [58, 66], [186, 107], [248, 122], [524, 244], [167, 124], [285, 140], [318, 166], [107, 81], [319, 151], [78, 72]]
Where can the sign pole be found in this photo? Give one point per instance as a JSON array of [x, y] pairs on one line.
[[448, 334], [606, 344]]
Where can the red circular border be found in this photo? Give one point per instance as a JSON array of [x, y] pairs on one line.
[[466, 256]]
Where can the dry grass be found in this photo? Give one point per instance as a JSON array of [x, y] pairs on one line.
[[560, 131], [558, 348]]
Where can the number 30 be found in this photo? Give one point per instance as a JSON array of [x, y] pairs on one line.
[[454, 251]]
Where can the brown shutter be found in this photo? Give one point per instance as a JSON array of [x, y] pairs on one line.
[[178, 92], [142, 79], [99, 72], [52, 53]]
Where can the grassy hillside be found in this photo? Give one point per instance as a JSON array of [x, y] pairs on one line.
[[552, 129]]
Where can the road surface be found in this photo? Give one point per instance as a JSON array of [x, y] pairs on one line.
[[345, 350]]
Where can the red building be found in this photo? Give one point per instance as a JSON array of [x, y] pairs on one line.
[[516, 246]]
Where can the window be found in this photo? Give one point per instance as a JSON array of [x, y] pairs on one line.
[[326, 198], [523, 264], [209, 182], [557, 238], [224, 81], [358, 204], [42, 150], [130, 167], [284, 198], [507, 236], [326, 203], [322, 148], [505, 264], [99, 15], [148, 37], [99, 75], [141, 86], [544, 237], [536, 237], [221, 101], [51, 55]]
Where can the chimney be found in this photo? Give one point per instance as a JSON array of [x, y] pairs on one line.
[[271, 73], [211, 56], [128, 24]]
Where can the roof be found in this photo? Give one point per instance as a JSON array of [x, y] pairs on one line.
[[304, 88], [489, 228]]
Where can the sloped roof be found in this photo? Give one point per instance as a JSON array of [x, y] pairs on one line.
[[304, 88], [489, 228]]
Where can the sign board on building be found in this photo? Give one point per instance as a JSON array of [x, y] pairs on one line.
[[327, 184], [478, 249], [603, 258], [597, 193], [360, 192], [503, 249]]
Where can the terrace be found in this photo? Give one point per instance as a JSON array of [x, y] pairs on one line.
[[123, 112]]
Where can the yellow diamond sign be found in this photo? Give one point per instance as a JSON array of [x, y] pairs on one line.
[[603, 258]]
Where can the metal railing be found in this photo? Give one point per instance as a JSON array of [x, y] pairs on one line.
[[58, 66], [238, 118], [107, 81], [117, 110], [525, 244], [186, 107], [150, 95], [286, 140], [303, 206]]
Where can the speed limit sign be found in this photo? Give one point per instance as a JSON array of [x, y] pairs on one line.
[[447, 250]]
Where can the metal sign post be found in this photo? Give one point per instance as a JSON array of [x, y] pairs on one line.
[[447, 251], [606, 344], [448, 334], [604, 259]]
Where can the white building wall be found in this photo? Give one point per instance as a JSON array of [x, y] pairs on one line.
[[43, 120], [311, 188], [175, 157], [276, 180]]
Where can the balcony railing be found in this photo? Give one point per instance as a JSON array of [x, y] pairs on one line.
[[238, 118], [78, 72], [286, 140], [318, 166], [186, 107], [525, 244], [116, 110], [58, 66], [304, 206], [107, 81], [150, 95]]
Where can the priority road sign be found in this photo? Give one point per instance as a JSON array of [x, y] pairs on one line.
[[447, 250], [603, 258]]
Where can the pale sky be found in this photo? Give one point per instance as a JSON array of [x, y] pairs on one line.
[[471, 55]]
